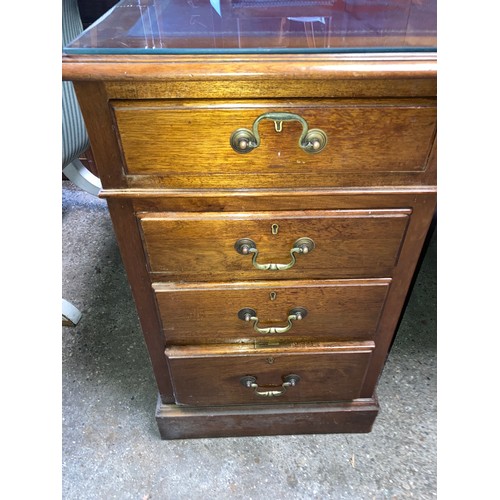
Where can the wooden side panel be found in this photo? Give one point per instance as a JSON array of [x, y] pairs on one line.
[[423, 211], [98, 117], [132, 253]]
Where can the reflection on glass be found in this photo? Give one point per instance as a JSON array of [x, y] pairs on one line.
[[193, 26]]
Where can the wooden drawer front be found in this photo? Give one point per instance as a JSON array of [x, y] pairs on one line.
[[193, 139], [201, 246], [334, 310], [204, 376]]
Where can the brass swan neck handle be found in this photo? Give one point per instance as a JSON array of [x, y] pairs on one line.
[[245, 246], [244, 140]]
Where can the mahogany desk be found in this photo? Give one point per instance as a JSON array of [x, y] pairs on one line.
[[270, 171]]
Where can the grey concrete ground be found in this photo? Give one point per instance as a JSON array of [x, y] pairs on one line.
[[111, 446]]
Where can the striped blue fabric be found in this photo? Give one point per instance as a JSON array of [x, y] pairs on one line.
[[74, 133]]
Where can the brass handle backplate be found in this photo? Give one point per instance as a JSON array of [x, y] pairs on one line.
[[249, 314], [250, 382], [245, 246], [244, 140]]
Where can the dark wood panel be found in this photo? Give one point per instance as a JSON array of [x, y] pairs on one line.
[[132, 253], [279, 199], [423, 211], [271, 180], [180, 422], [297, 89]]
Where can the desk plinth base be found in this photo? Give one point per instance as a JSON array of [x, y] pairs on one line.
[[183, 422]]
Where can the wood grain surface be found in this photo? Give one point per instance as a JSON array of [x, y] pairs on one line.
[[182, 138], [180, 198], [201, 246], [208, 313], [203, 376]]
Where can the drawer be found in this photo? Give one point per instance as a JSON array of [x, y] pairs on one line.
[[366, 141], [270, 312], [232, 375], [211, 246]]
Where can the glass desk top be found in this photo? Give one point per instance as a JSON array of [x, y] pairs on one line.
[[261, 26]]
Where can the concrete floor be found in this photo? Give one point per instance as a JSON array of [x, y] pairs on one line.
[[111, 446]]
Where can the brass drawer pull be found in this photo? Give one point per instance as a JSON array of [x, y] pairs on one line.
[[250, 382], [244, 246], [295, 314], [311, 141]]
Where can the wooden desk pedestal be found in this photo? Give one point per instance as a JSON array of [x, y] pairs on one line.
[[269, 272]]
